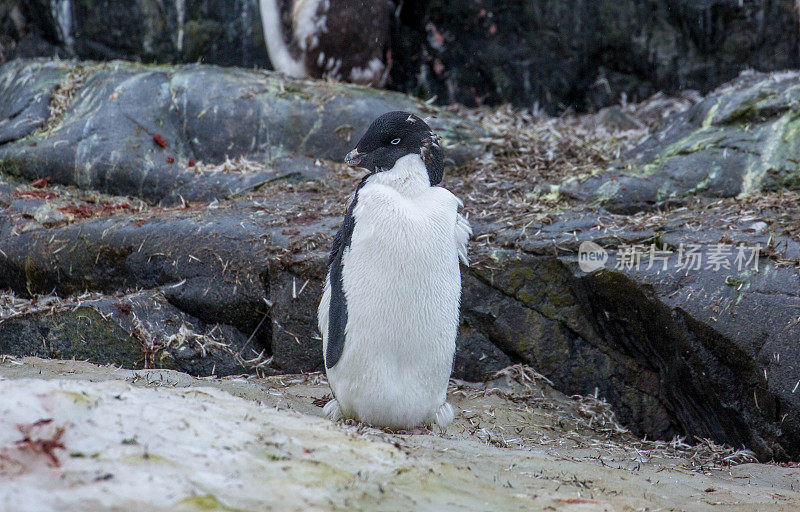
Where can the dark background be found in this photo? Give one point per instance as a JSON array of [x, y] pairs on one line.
[[582, 54]]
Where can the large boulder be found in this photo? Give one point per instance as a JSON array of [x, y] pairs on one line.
[[133, 331], [128, 129], [169, 31], [703, 344]]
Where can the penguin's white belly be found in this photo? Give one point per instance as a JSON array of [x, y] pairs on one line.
[[402, 283]]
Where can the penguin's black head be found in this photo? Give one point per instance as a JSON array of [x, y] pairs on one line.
[[393, 136]]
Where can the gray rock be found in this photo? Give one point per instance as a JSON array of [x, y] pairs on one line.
[[707, 351], [740, 140], [711, 353], [133, 130], [26, 91], [477, 359], [225, 33], [212, 266]]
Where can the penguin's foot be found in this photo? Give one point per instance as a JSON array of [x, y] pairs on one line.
[[332, 410], [444, 416]]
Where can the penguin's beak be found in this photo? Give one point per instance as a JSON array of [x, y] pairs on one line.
[[353, 158]]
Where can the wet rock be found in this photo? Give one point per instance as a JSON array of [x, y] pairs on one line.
[[740, 140], [136, 130], [675, 353], [168, 31]]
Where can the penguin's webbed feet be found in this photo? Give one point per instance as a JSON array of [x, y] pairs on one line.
[[444, 416], [332, 410]]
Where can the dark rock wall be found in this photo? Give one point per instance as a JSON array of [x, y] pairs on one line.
[[225, 32], [584, 54]]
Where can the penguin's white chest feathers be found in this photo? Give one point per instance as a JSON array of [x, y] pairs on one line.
[[402, 284]]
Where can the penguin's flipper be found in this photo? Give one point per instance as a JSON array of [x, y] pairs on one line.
[[332, 410], [444, 416], [462, 233], [337, 314]]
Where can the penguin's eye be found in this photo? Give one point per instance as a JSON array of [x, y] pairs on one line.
[[396, 141]]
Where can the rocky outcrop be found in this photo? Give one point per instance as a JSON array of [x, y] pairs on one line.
[[741, 140], [179, 136], [706, 351], [171, 31], [677, 347], [128, 129]]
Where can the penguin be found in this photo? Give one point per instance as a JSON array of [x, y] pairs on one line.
[[389, 312], [342, 40]]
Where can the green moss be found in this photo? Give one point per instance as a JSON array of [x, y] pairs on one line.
[[608, 191], [710, 116], [85, 334], [518, 275], [200, 37], [525, 297], [77, 398], [206, 502], [696, 141], [750, 108], [81, 455], [149, 458], [584, 175], [733, 281], [791, 131]]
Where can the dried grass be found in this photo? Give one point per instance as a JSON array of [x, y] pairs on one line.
[[61, 98], [13, 306], [588, 422], [154, 342], [516, 180], [239, 164]]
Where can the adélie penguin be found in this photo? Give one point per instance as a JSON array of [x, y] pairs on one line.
[[389, 310]]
